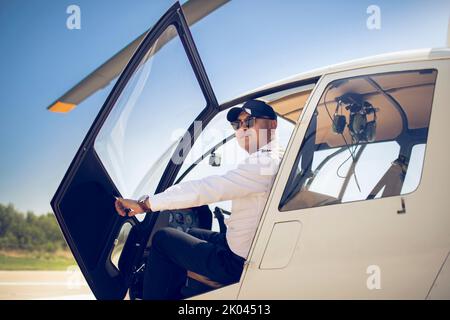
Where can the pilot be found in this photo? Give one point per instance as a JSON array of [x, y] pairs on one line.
[[217, 256]]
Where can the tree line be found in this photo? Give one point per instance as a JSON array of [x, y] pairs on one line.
[[28, 231]]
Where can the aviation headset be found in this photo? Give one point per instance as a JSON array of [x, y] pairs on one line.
[[359, 127]]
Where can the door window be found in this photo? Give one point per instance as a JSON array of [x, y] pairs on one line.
[[366, 140], [153, 111]]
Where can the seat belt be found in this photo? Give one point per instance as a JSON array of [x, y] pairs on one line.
[[392, 180]]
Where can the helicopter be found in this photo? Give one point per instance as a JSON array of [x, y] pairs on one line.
[[357, 207]]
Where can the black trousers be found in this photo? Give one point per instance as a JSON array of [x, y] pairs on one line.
[[173, 252]]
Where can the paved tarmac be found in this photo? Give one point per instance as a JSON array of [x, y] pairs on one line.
[[51, 285]]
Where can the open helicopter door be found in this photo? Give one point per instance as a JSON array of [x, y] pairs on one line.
[[163, 87]]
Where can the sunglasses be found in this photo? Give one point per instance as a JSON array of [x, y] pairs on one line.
[[249, 122]]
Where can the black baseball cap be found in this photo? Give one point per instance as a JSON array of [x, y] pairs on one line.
[[256, 108]]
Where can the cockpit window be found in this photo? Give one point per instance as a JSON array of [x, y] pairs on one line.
[[366, 140]]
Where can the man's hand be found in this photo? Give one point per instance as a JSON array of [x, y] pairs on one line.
[[127, 207]]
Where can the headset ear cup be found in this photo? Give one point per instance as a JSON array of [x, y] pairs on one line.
[[358, 123], [339, 122], [371, 131]]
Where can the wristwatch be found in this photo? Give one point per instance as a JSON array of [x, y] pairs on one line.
[[143, 203]]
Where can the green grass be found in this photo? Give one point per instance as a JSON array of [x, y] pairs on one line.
[[35, 262]]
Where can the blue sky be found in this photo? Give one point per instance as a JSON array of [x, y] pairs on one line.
[[245, 44]]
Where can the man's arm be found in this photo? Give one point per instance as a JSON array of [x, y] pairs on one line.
[[246, 179]]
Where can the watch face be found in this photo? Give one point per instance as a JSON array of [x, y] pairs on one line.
[[141, 202]]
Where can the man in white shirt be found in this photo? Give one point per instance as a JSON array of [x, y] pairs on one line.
[[218, 256]]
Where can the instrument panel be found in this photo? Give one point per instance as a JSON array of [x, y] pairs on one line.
[[184, 219]]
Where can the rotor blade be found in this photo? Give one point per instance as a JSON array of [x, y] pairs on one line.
[[194, 10]]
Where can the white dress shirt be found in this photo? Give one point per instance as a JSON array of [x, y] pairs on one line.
[[248, 187]]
